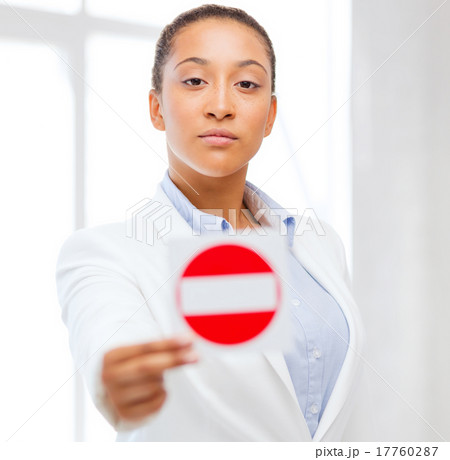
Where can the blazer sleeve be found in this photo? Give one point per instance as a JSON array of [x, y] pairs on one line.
[[102, 307]]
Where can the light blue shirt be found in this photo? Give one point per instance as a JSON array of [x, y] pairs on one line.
[[321, 332]]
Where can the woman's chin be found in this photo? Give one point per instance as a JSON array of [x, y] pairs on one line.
[[219, 165], [219, 171]]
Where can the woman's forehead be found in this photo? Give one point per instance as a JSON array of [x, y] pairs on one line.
[[218, 38]]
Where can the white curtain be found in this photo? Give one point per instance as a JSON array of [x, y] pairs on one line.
[[401, 215]]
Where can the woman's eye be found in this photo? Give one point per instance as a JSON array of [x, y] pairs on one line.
[[195, 81], [247, 84]]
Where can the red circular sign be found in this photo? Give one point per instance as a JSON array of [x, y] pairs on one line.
[[228, 294]]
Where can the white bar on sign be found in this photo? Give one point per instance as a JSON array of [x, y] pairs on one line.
[[228, 293]]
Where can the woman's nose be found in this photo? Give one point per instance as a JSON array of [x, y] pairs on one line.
[[220, 103]]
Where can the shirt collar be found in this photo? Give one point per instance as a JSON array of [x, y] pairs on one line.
[[264, 209]]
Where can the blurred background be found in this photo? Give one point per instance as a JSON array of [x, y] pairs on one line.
[[361, 136]]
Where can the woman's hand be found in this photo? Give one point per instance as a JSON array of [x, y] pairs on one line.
[[133, 375]]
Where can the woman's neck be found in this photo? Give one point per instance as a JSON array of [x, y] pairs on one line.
[[221, 196]]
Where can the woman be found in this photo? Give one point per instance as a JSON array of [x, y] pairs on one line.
[[213, 95]]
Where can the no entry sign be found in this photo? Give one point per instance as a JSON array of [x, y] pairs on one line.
[[228, 294], [229, 291]]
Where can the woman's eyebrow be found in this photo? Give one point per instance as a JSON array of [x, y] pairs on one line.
[[202, 61]]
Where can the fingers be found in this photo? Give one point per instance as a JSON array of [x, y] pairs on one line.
[[147, 366], [171, 344], [135, 412], [139, 393], [124, 383], [133, 375]]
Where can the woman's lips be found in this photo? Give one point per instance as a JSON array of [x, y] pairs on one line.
[[217, 140]]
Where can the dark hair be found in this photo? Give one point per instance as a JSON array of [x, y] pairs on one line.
[[166, 39]]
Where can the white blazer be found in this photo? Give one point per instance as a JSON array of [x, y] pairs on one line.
[[113, 291]]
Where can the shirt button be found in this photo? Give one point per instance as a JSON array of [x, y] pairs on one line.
[[295, 302], [314, 408], [316, 353]]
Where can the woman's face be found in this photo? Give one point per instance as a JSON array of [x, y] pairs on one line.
[[218, 77]]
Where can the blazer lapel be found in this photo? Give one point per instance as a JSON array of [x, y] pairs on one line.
[[276, 359], [334, 284]]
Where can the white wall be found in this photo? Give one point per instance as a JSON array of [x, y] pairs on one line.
[[401, 199]]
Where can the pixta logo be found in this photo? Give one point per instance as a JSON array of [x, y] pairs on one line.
[[147, 221]]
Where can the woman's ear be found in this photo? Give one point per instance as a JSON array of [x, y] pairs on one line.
[[156, 111], [271, 117]]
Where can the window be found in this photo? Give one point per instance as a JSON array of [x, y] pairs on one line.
[[36, 188]]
